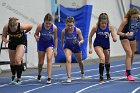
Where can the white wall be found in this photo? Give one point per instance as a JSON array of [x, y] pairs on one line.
[[28, 11], [136, 2], [33, 11]]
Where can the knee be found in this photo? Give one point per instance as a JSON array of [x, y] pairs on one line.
[[40, 66], [49, 60], [12, 62], [68, 59], [102, 59], [18, 60], [129, 54], [80, 62]]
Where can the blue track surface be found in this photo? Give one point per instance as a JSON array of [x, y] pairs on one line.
[[90, 84]]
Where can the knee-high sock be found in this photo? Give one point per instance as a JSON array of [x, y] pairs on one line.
[[101, 69], [13, 69], [40, 68], [128, 72], [107, 66], [19, 71]]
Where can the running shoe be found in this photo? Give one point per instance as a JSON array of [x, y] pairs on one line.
[[17, 82], [130, 78], [49, 81], [39, 78], [108, 76], [69, 80], [82, 76], [101, 79], [13, 80]]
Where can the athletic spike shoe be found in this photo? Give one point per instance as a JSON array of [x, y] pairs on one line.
[[49, 81], [130, 78], [13, 80], [101, 79], [18, 82], [108, 76], [39, 78], [82, 76], [69, 80]]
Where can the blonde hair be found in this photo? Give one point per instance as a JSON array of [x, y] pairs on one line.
[[102, 16], [131, 12]]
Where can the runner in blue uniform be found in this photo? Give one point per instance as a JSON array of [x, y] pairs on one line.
[[17, 44], [71, 39], [127, 32], [46, 37], [102, 44]]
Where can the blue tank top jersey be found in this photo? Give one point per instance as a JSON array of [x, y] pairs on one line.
[[102, 38], [133, 27], [46, 35], [71, 41], [46, 38]]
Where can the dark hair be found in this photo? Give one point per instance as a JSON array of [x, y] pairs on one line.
[[70, 19], [103, 16], [48, 17], [12, 21], [131, 12]]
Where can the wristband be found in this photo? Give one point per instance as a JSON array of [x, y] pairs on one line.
[[123, 35]]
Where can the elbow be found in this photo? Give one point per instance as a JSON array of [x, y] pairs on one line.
[[35, 35], [117, 33], [83, 41], [31, 27]]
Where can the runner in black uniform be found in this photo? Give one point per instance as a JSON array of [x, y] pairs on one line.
[[17, 44]]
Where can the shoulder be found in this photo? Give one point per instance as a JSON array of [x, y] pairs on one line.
[[39, 26], [5, 27], [54, 27], [78, 29], [63, 30], [111, 27], [124, 21], [94, 28]]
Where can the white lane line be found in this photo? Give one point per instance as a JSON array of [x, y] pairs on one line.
[[84, 89], [135, 90], [40, 87]]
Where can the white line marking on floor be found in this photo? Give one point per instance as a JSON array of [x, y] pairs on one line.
[[135, 90], [84, 89]]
